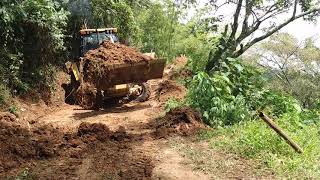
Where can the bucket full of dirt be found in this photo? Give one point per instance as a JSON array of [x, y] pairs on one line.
[[113, 64]]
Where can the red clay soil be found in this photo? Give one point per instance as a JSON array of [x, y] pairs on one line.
[[169, 89], [183, 121], [97, 63], [114, 53], [50, 153], [112, 151]]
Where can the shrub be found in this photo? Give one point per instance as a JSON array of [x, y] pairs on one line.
[[33, 38], [234, 94], [222, 97]]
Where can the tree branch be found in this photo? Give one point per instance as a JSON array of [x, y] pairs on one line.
[[258, 39], [235, 20], [295, 8], [247, 31], [246, 17]]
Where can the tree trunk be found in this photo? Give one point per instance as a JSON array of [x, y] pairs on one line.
[[217, 56]]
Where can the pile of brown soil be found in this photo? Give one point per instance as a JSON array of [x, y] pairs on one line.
[[180, 74], [111, 151], [180, 62], [169, 89], [113, 53], [19, 145], [183, 121], [177, 69], [101, 132]]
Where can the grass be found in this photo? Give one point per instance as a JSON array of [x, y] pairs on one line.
[[216, 163], [255, 140]]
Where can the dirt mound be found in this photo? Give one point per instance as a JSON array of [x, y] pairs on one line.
[[101, 132], [178, 70], [183, 121], [180, 62], [21, 147], [180, 74], [169, 89], [114, 53]]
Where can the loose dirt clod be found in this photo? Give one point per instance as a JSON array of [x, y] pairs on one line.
[[8, 117], [183, 121]]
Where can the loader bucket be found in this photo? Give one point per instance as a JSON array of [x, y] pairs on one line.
[[130, 73]]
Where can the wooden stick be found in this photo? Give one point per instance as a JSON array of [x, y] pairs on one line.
[[280, 132]]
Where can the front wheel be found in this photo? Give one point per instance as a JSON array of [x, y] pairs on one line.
[[144, 94]]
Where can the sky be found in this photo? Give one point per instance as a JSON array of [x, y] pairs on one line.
[[299, 28], [302, 29]]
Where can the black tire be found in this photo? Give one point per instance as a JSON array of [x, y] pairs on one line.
[[89, 102], [98, 100], [145, 94]]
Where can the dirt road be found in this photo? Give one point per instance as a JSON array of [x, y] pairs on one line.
[[122, 142], [143, 152], [132, 141]]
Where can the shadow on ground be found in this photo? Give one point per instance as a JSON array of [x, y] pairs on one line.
[[119, 109]]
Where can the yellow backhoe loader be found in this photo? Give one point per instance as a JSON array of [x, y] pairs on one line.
[[127, 82]]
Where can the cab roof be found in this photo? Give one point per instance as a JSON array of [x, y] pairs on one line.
[[89, 31]]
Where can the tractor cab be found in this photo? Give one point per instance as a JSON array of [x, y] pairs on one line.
[[92, 38]]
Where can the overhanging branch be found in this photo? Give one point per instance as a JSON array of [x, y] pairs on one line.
[[258, 39]]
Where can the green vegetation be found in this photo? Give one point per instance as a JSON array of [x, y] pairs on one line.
[[230, 84], [172, 103], [229, 93], [24, 175], [254, 139], [4, 95], [31, 41]]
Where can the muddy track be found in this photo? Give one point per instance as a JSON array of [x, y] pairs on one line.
[[130, 141], [116, 143]]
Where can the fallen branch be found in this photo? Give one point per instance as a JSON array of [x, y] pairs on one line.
[[280, 132]]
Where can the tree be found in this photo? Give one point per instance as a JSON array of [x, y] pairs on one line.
[[293, 66], [157, 29], [31, 34], [251, 16]]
